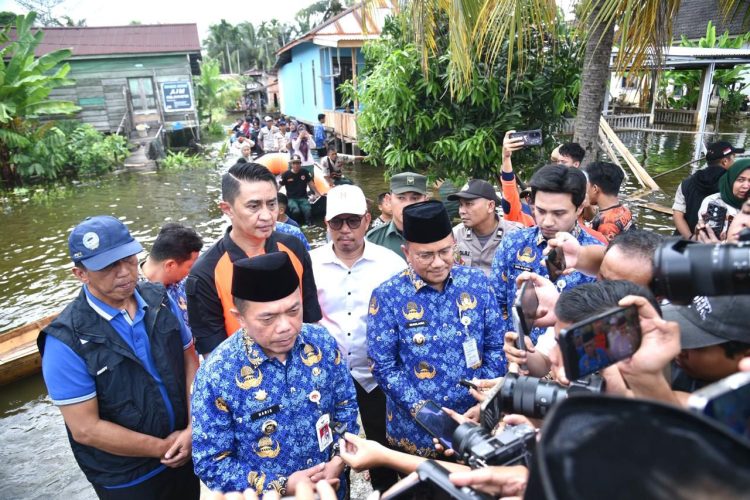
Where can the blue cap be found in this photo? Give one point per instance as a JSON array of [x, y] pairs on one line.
[[100, 241]]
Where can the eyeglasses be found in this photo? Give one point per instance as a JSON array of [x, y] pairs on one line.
[[445, 254], [352, 222]]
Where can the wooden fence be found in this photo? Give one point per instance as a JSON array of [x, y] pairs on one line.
[[683, 117]]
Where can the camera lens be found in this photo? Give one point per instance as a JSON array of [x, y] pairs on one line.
[[530, 396], [466, 436], [684, 269]]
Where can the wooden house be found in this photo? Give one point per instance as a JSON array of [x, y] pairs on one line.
[[128, 76], [312, 67]]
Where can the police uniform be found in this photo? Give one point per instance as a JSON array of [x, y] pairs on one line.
[[470, 251], [522, 251], [257, 420], [421, 342]]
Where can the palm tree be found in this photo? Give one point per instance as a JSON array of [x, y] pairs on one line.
[[480, 29], [222, 41]]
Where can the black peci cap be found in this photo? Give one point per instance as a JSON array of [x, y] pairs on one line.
[[426, 222], [264, 278]]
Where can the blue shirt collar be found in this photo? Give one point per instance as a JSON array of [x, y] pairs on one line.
[[108, 312]]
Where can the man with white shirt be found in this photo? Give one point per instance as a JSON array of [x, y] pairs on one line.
[[347, 269]]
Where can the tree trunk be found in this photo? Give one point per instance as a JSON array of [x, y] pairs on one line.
[[594, 82]]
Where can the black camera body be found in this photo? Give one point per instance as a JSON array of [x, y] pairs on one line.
[[479, 448], [685, 269]]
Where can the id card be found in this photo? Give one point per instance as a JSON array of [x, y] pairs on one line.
[[323, 431], [471, 353]]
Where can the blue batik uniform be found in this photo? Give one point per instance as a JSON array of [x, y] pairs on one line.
[[286, 228], [521, 251], [254, 417], [416, 337]]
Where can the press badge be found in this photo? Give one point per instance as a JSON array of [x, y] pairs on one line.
[[323, 431], [471, 353]]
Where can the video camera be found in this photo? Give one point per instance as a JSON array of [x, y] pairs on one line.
[[685, 269]]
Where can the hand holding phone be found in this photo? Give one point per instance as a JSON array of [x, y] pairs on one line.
[[716, 215], [530, 137]]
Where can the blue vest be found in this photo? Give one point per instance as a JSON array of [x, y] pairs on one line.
[[126, 393]]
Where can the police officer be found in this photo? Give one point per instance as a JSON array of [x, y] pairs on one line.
[[269, 400], [406, 189], [118, 362], [481, 229], [429, 327]]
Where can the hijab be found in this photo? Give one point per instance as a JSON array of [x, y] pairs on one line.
[[727, 182]]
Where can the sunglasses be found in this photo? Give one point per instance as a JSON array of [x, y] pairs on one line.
[[352, 222]]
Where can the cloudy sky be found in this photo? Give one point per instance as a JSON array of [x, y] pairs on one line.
[[202, 12]]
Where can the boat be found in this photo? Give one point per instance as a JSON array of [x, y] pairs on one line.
[[19, 356]]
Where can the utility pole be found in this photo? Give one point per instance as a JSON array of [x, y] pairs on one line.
[[229, 60]]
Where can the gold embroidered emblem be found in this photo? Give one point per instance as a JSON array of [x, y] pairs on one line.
[[504, 277], [256, 481], [424, 370], [311, 355], [374, 307], [390, 416], [412, 311], [221, 405], [466, 302], [222, 455], [527, 255], [249, 378], [277, 486], [337, 359], [266, 448]]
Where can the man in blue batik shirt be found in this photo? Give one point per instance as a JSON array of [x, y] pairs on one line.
[[429, 327], [271, 399], [557, 192]]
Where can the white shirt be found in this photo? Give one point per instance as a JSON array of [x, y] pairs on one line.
[[344, 297]]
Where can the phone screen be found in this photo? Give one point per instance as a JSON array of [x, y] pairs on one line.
[[591, 345], [438, 423], [555, 264]]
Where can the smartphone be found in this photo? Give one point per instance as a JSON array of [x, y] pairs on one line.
[[727, 401], [555, 264], [438, 423], [468, 384], [530, 137], [596, 343], [716, 216]]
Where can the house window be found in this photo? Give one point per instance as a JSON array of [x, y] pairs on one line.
[[142, 94]]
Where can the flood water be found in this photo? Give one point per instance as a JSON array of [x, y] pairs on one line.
[[35, 280]]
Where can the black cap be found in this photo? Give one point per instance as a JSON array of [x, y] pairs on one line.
[[474, 189], [718, 150], [264, 278], [426, 222], [710, 321]]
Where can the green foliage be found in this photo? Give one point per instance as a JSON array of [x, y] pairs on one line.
[[180, 161], [214, 92], [92, 153], [728, 83], [410, 121], [214, 131]]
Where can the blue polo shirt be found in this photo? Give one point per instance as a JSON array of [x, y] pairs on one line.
[[68, 380]]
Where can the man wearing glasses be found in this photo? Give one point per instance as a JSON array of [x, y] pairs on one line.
[[429, 327], [346, 270]]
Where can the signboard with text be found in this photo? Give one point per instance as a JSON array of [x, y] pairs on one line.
[[177, 96]]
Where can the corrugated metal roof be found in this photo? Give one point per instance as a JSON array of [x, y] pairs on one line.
[[111, 40], [357, 23], [697, 57]]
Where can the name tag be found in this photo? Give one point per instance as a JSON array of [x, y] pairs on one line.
[[264, 413], [471, 354], [522, 268], [416, 324]]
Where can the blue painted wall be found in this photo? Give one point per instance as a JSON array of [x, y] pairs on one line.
[[299, 96]]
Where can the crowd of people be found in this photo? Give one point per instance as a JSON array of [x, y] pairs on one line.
[[250, 366]]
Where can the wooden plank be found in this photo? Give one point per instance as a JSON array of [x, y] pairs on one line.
[[114, 81], [19, 356], [612, 155], [636, 167]]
